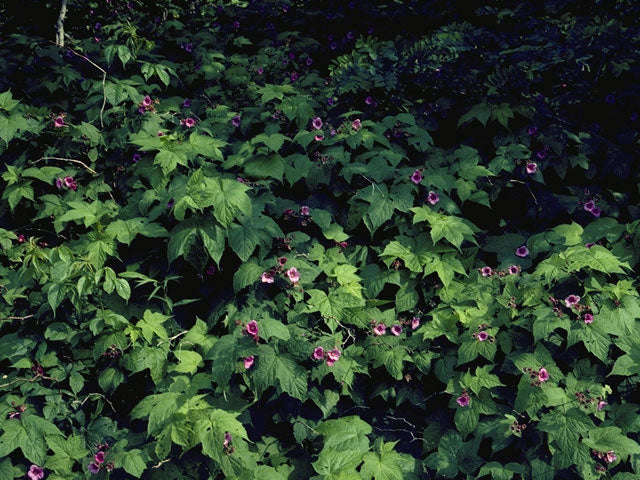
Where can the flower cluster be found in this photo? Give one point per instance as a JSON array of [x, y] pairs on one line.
[[332, 356], [19, 410], [303, 216], [188, 122], [607, 457], [380, 329], [98, 460], [517, 427], [591, 207], [487, 271], [67, 182], [572, 302], [538, 376], [147, 105], [587, 401], [464, 399], [292, 274], [483, 336]]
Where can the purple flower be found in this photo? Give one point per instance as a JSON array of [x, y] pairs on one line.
[[522, 251], [601, 405], [369, 100], [356, 124], [589, 244], [160, 133], [69, 182], [235, 121], [514, 269], [433, 198], [188, 47], [99, 457], [59, 183], [93, 468], [396, 330], [309, 61], [571, 301], [248, 362], [171, 203], [252, 328], [482, 336], [589, 206], [318, 138], [236, 24], [333, 45], [267, 277], [58, 122], [350, 35], [379, 329], [317, 123], [304, 210], [543, 375], [596, 212], [35, 472], [294, 275], [211, 270], [282, 260], [260, 70], [293, 76], [542, 154], [136, 157], [334, 355], [463, 400], [227, 439], [370, 30], [415, 323], [189, 122], [330, 101], [142, 110], [588, 318], [532, 168], [292, 55], [532, 130], [318, 353], [486, 271], [186, 103], [146, 101], [416, 177]]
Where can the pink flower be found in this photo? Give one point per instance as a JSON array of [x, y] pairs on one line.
[[58, 122], [252, 328], [293, 76], [532, 130], [596, 212], [415, 323], [69, 182], [482, 336], [317, 123], [304, 210], [543, 375], [318, 138], [248, 362], [93, 468], [35, 472], [379, 329], [59, 183], [601, 405], [514, 269], [21, 238], [282, 260], [160, 133], [396, 330], [146, 101], [330, 363], [531, 168], [369, 100], [189, 122], [318, 353], [267, 277], [571, 301], [433, 198], [416, 177], [227, 439], [463, 400], [611, 456], [334, 354], [235, 121], [136, 157], [486, 271], [260, 70], [522, 251], [589, 244], [356, 124], [186, 103], [589, 206], [588, 318], [293, 275], [99, 457]]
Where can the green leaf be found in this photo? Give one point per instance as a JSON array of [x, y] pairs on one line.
[[243, 240], [134, 462], [189, 361], [273, 141], [386, 464], [247, 274], [346, 433], [279, 369], [273, 328], [169, 160], [604, 439], [92, 133], [7, 102]]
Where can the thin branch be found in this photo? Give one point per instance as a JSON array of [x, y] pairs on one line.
[[70, 160], [161, 462], [98, 395], [60, 24], [104, 81], [171, 339], [18, 318]]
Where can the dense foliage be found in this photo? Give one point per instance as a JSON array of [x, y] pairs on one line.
[[335, 240]]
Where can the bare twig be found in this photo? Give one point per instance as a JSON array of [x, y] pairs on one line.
[[60, 24], [30, 380], [104, 81], [171, 339], [161, 462], [70, 160], [98, 395], [18, 318]]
